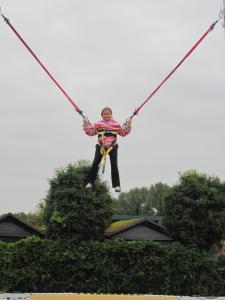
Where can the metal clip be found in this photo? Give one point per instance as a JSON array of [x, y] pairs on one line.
[[1, 14], [222, 14]]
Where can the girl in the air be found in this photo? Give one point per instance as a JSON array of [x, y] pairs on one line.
[[107, 130]]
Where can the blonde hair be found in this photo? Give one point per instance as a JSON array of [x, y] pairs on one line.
[[106, 108]]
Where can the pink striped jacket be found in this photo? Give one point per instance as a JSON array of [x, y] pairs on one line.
[[110, 129]]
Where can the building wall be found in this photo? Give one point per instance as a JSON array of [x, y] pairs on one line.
[[11, 229]]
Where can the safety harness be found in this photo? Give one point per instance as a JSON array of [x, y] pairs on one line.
[[105, 151]]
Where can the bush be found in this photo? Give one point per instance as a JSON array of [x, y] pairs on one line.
[[4, 260], [41, 265]]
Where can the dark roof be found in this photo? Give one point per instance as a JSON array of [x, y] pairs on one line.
[[20, 222], [123, 225]]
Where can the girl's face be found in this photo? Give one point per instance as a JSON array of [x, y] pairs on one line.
[[107, 115]]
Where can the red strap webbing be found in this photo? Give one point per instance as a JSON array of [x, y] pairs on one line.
[[43, 67], [177, 66]]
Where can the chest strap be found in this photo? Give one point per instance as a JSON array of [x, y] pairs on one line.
[[106, 133]]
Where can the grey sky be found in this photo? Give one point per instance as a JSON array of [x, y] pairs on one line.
[[114, 53]]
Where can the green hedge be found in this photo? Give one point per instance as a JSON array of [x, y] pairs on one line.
[[41, 265]]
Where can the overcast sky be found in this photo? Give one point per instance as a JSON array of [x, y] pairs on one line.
[[109, 53]]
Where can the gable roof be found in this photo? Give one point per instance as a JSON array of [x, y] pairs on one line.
[[125, 225], [29, 227]]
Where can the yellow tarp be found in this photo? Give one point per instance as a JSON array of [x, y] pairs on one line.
[[98, 297]]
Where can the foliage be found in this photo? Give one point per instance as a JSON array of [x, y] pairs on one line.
[[3, 264], [35, 218], [133, 202], [195, 210], [71, 211], [41, 265], [142, 201], [157, 194], [139, 201]]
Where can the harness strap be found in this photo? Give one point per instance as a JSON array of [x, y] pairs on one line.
[[104, 152], [107, 133]]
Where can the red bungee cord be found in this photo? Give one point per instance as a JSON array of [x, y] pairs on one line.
[[177, 66], [211, 27], [43, 67]]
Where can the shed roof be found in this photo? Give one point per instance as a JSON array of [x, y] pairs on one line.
[[124, 225], [9, 217]]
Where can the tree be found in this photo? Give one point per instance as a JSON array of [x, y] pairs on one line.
[[35, 218], [73, 212], [195, 210], [133, 202], [142, 201], [157, 194]]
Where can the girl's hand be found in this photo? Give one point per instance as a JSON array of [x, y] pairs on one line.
[[129, 121], [86, 121]]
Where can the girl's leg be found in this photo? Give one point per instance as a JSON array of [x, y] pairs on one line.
[[114, 167], [94, 168]]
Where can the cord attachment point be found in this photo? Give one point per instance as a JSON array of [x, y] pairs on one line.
[[134, 113], [81, 113], [5, 19], [222, 14]]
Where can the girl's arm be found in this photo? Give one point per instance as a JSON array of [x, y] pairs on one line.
[[125, 129], [88, 128]]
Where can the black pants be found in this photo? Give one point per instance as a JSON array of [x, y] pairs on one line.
[[114, 166]]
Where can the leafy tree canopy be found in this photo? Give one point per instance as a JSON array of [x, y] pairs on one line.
[[73, 212], [195, 210], [142, 201]]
